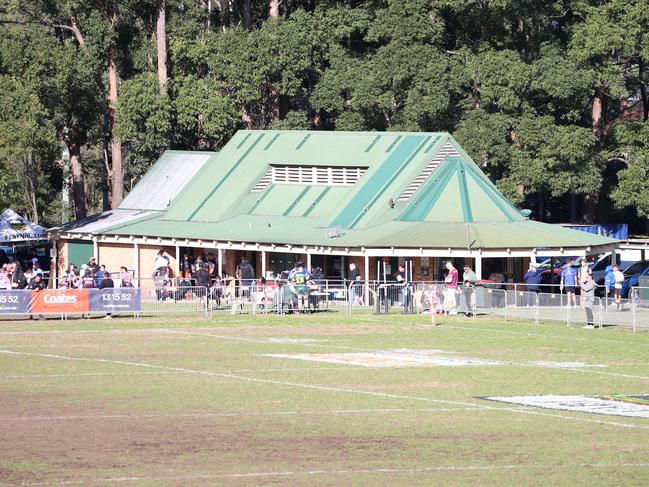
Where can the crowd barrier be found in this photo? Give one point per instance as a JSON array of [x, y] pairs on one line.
[[66, 302]]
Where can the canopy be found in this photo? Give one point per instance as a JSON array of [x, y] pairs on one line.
[[15, 229]]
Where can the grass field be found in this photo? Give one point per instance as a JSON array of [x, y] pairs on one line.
[[185, 401]]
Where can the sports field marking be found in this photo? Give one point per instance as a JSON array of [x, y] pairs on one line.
[[324, 412], [586, 404], [318, 387], [349, 471], [390, 358], [81, 374]]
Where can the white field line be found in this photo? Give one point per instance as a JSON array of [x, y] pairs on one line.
[[357, 349], [321, 388], [349, 471], [285, 369], [324, 412], [247, 379]]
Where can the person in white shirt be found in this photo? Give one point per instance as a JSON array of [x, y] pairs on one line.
[[617, 286]]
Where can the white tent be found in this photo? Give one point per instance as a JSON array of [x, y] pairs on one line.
[[15, 229]]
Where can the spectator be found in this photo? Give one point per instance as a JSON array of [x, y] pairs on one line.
[[125, 277], [107, 283], [99, 275], [301, 279], [86, 279], [202, 276], [186, 267], [18, 280], [569, 282], [36, 284], [247, 275], [93, 266], [36, 268], [354, 278], [617, 286], [450, 302], [469, 279], [71, 278], [588, 298], [584, 271], [211, 265], [532, 280], [161, 261], [5, 277], [609, 282]]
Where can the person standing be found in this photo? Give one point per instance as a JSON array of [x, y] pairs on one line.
[[36, 284], [532, 280], [354, 278], [247, 276], [402, 280], [569, 283], [450, 302], [107, 283], [588, 298], [609, 283], [469, 279], [93, 266], [618, 279]]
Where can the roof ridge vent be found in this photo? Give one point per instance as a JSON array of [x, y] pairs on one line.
[[446, 151]]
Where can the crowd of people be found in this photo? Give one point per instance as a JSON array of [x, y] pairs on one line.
[[94, 275], [14, 275]]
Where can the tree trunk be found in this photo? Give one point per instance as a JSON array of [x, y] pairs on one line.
[[643, 91], [573, 207], [540, 207], [246, 19], [161, 41], [78, 182], [590, 207], [117, 171], [273, 9], [598, 116]]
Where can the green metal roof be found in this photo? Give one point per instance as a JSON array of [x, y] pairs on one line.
[[457, 206]]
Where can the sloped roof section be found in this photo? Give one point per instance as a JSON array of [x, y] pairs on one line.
[[168, 176]]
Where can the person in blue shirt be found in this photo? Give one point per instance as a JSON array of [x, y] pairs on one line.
[[532, 279], [609, 280], [569, 282]]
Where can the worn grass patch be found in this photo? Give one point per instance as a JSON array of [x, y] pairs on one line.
[[237, 400]]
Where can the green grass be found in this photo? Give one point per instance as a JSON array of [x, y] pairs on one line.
[[178, 400]]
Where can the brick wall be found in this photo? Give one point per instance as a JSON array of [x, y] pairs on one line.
[[115, 255]]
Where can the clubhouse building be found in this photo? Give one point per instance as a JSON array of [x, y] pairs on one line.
[[327, 198]]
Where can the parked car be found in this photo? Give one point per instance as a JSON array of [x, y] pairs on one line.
[[632, 276]]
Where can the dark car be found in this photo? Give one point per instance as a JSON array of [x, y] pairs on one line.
[[632, 276]]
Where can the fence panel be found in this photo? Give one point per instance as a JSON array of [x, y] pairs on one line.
[[171, 299]]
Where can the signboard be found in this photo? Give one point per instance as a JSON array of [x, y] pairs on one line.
[[14, 302], [60, 301], [114, 300]]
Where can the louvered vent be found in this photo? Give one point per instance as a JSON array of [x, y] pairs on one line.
[[310, 175], [413, 187], [263, 183]]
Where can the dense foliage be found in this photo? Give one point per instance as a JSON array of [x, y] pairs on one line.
[[548, 96]]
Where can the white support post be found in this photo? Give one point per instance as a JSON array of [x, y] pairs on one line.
[[177, 261], [136, 265], [308, 262], [54, 267], [613, 258], [95, 249], [478, 268], [263, 263], [220, 263], [367, 280]]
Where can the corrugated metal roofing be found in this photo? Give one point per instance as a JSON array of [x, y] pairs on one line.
[[164, 180], [457, 206]]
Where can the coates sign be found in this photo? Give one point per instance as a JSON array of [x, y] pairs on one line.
[[60, 301]]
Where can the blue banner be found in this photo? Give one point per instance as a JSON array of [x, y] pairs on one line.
[[15, 302], [115, 300]]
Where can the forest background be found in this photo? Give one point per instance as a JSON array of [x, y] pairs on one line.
[[549, 97]]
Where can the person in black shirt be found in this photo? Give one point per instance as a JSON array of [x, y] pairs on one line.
[[36, 284], [107, 283], [247, 276]]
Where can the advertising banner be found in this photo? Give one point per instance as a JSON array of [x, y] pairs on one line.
[[15, 301], [114, 300], [61, 301]]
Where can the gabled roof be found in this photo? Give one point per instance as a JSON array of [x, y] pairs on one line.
[[415, 190]]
